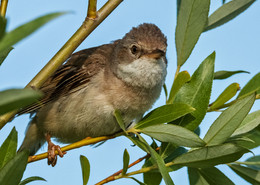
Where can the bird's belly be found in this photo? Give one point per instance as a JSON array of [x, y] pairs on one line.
[[79, 115]]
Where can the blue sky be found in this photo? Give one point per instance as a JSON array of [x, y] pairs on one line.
[[236, 44]]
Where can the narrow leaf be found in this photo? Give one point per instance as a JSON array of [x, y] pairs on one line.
[[13, 99], [191, 21], [85, 167], [252, 86], [254, 162], [178, 6], [126, 159], [224, 126], [12, 172], [226, 95], [197, 91], [250, 175], [165, 91], [215, 176], [23, 31], [196, 178], [164, 114], [159, 161], [227, 12], [249, 123], [2, 26], [180, 80], [253, 135], [4, 54], [211, 156], [137, 181], [119, 119], [8, 148], [174, 134], [31, 179], [219, 75]]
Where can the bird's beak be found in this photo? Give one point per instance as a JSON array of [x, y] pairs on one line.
[[156, 54]]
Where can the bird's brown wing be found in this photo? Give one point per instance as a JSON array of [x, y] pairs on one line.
[[73, 75]]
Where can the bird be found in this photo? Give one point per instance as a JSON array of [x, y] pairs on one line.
[[81, 96]]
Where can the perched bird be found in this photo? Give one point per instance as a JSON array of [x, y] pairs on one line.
[[82, 95]]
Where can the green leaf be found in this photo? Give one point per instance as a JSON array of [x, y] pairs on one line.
[[173, 134], [2, 26], [13, 99], [215, 176], [191, 21], [164, 114], [254, 162], [12, 172], [197, 91], [165, 91], [8, 148], [138, 143], [252, 86], [31, 179], [180, 80], [4, 54], [250, 175], [251, 121], [219, 75], [119, 119], [211, 156], [196, 178], [159, 161], [126, 159], [227, 12], [85, 167], [224, 126], [226, 95], [152, 178], [139, 182], [23, 31], [253, 135], [178, 6]]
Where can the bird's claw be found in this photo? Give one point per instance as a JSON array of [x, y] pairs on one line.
[[52, 156]]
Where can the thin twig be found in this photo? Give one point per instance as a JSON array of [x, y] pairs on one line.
[[3, 7], [86, 28], [84, 142], [92, 9]]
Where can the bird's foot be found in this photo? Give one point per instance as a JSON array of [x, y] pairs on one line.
[[52, 156]]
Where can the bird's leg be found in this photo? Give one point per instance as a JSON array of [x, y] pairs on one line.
[[52, 157]]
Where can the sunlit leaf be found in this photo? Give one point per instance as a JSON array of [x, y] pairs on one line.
[[173, 134], [85, 167], [226, 95], [4, 54], [191, 21], [119, 119], [251, 121], [197, 92], [180, 80], [8, 148], [219, 75], [23, 31], [224, 126], [252, 86], [12, 172], [249, 174], [31, 179], [13, 99], [164, 114], [211, 156], [126, 159], [227, 12], [253, 135]]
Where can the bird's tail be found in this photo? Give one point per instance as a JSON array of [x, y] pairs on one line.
[[34, 138]]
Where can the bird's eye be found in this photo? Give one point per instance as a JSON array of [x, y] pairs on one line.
[[134, 49]]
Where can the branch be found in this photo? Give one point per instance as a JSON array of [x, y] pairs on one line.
[[92, 9], [3, 7], [84, 142], [85, 29]]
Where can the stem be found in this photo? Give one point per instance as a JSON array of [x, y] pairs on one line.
[[177, 71], [84, 142], [85, 29], [112, 177], [3, 7], [92, 9]]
